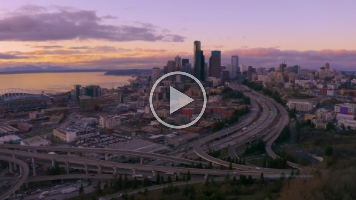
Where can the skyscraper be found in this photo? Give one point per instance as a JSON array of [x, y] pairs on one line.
[[215, 64], [199, 62], [235, 65], [178, 63], [184, 62], [178, 67], [156, 74]]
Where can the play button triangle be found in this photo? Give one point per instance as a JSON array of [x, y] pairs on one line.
[[177, 100]]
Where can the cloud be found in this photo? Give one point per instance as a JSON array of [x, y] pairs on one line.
[[48, 47], [312, 59], [42, 24], [109, 17], [10, 56]]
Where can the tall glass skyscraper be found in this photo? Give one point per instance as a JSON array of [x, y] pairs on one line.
[[234, 66], [199, 62]]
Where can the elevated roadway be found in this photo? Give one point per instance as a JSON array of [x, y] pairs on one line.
[[24, 171], [102, 151]]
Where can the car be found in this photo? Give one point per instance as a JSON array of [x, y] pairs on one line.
[[79, 181], [150, 177], [92, 174], [56, 186]]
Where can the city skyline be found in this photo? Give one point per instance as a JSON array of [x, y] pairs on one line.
[[87, 35]]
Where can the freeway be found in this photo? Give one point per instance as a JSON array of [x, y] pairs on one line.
[[262, 124], [24, 171], [103, 151], [273, 134]]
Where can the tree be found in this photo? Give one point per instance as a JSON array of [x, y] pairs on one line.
[[188, 176], [210, 166], [329, 150], [106, 185], [81, 189], [227, 179], [158, 179], [177, 179], [134, 183], [119, 182], [330, 126], [126, 181], [98, 188], [230, 166], [169, 179], [262, 178]]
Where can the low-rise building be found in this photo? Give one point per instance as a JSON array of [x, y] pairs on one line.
[[347, 123], [302, 106], [24, 126], [35, 115], [56, 118], [346, 109], [8, 130], [10, 139], [182, 139], [151, 130], [156, 138], [109, 121], [35, 141]]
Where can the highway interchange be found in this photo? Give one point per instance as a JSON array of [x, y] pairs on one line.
[[266, 120]]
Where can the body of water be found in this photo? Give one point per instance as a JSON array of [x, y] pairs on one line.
[[60, 82]]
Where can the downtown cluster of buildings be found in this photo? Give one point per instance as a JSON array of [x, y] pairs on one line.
[[209, 71]]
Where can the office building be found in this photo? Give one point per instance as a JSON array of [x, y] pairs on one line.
[[224, 76], [235, 64], [75, 92], [93, 91], [156, 74], [215, 64], [185, 61], [199, 62]]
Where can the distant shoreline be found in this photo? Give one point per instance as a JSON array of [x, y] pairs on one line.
[[41, 72], [111, 72]]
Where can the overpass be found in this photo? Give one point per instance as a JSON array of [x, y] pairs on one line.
[[106, 151], [24, 171]]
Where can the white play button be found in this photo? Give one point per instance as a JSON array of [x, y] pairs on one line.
[[177, 100]]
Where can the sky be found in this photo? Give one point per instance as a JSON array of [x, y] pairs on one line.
[[119, 34]]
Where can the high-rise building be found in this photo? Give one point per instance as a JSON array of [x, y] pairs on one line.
[[75, 92], [199, 61], [156, 74], [282, 67], [170, 67], [184, 62], [93, 91], [235, 64], [178, 61], [327, 65], [215, 64], [225, 75]]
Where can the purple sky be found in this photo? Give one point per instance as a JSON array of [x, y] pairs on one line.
[[119, 34]]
